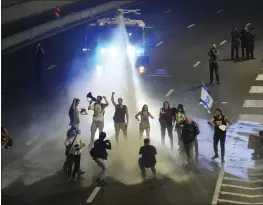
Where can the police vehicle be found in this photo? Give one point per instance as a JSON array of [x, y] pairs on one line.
[[103, 46]]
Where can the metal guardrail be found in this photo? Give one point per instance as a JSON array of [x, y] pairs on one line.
[[44, 28]]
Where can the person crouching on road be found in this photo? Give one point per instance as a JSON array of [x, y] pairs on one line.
[[180, 118], [147, 160], [72, 132], [74, 147], [121, 111], [100, 155], [144, 122], [218, 121], [189, 132]]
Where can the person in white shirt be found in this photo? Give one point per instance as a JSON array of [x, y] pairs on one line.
[[74, 146], [98, 116]]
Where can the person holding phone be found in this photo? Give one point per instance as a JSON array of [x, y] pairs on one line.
[[121, 112]]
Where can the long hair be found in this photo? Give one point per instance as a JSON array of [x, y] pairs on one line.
[[143, 108], [165, 103], [220, 112], [180, 106]]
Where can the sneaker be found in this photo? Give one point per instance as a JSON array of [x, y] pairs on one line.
[[215, 156], [222, 159]]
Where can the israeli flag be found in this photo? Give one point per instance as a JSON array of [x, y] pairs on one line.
[[206, 98]]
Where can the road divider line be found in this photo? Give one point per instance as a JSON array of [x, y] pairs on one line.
[[256, 89], [220, 11], [197, 63], [168, 11], [223, 42], [248, 24], [190, 25], [50, 67], [260, 76], [218, 184], [253, 103], [93, 195], [158, 44], [169, 93]]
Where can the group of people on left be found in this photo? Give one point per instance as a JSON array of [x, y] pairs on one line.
[[169, 118]]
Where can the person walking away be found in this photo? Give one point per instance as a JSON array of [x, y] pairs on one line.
[[213, 64], [189, 132], [235, 43], [98, 117], [74, 147], [180, 118], [244, 42], [121, 111], [220, 123], [100, 155], [147, 159], [144, 122], [251, 43], [167, 120]]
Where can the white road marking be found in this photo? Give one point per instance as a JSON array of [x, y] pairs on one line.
[[223, 42], [169, 93], [218, 185], [190, 25], [220, 11], [242, 195], [242, 180], [168, 11], [197, 63], [93, 194], [252, 118], [259, 77], [242, 187], [248, 24], [256, 89], [235, 202], [159, 43], [28, 143], [253, 103], [50, 67]]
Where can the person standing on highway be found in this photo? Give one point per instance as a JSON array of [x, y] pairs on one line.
[[190, 131], [147, 159], [98, 117], [180, 118], [74, 114], [74, 147], [121, 111], [220, 123], [213, 64], [251, 43], [167, 120], [144, 122], [39, 64], [235, 43], [100, 155], [244, 42]]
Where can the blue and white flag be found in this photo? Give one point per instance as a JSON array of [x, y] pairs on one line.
[[206, 98]]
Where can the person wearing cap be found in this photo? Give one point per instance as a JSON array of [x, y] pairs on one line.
[[213, 64], [147, 159], [74, 145], [100, 155]]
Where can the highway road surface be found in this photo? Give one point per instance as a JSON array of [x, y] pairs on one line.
[[38, 121]]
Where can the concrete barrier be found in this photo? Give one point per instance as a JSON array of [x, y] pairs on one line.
[[62, 22]]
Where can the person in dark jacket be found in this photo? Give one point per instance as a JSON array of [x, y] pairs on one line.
[[147, 160], [244, 42], [251, 43], [167, 120], [99, 154], [189, 137], [235, 43], [213, 64]]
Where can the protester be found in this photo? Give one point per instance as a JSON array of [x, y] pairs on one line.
[[180, 118]]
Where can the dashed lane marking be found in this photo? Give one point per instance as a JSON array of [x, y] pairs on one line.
[[253, 103], [220, 11], [248, 24], [242, 187], [218, 184], [242, 180], [251, 118], [256, 89], [242, 195], [168, 11], [197, 63], [93, 195], [50, 67], [158, 44], [223, 42], [235, 202], [30, 141], [190, 26], [169, 93], [260, 76]]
